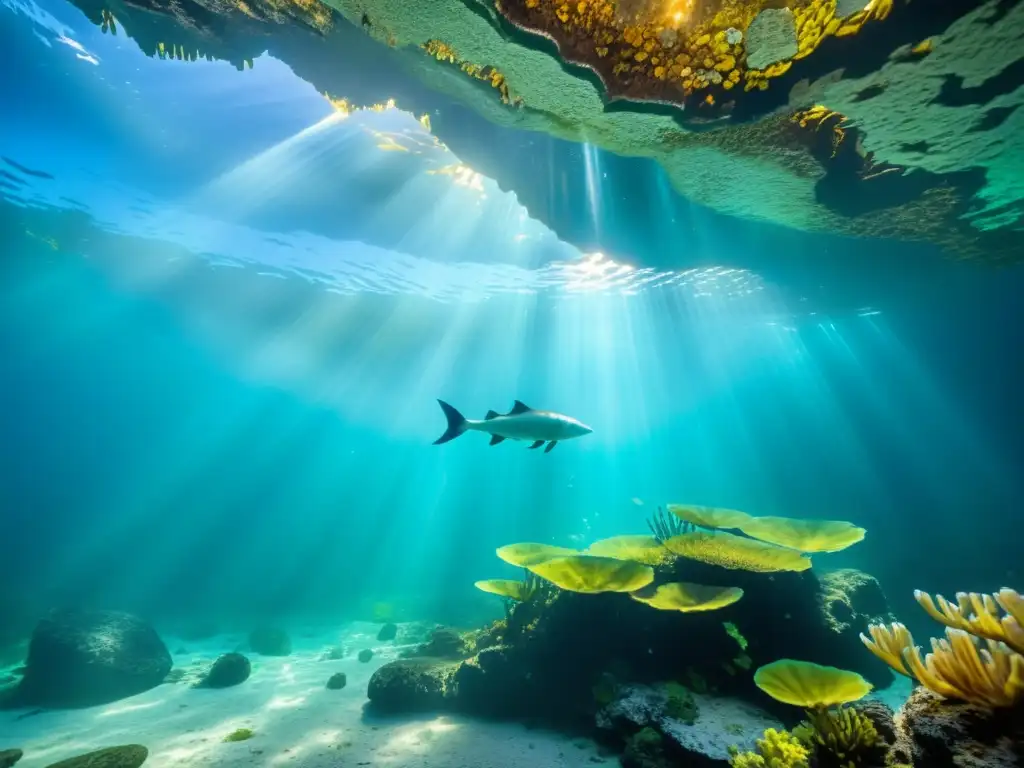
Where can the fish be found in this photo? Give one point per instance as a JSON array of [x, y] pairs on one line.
[[521, 423]]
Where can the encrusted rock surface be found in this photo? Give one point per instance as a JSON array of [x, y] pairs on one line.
[[932, 732], [85, 658]]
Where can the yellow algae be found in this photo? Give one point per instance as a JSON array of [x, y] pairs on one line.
[[808, 685], [530, 553], [688, 598], [736, 552], [804, 535], [709, 517], [511, 588], [591, 574], [641, 549]]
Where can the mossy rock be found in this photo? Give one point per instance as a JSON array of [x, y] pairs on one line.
[[9, 757], [127, 756], [229, 669], [80, 658], [646, 749], [412, 685], [337, 681]]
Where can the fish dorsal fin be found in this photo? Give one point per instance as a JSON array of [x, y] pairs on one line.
[[491, 415], [519, 407]]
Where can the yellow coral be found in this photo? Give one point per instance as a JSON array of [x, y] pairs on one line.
[[777, 749], [988, 672], [979, 615], [845, 733]]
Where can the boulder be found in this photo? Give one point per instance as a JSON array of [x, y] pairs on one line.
[[337, 681], [127, 756], [932, 732], [228, 670], [85, 658], [412, 685], [9, 757]]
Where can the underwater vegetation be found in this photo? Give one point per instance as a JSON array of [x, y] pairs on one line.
[[979, 661]]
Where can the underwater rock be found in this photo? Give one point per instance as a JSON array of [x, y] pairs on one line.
[[127, 756], [9, 757], [852, 599], [883, 718], [412, 685], [849, 600], [444, 643], [267, 641], [85, 658], [496, 683], [388, 632], [932, 732], [646, 749], [239, 734], [722, 722], [337, 681], [414, 633], [229, 669], [365, 655]]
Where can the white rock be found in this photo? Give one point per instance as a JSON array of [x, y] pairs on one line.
[[721, 721]]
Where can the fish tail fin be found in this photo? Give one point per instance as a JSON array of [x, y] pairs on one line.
[[456, 423]]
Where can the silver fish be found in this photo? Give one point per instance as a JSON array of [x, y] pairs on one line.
[[521, 423]]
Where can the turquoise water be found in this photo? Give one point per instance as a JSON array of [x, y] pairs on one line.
[[226, 314]]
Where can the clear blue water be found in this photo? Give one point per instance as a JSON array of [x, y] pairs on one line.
[[226, 314]]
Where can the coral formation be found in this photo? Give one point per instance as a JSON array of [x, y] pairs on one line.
[[987, 671], [846, 735], [776, 749]]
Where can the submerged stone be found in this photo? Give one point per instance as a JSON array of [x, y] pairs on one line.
[[9, 757], [229, 669], [337, 681], [87, 658], [127, 756], [412, 685]]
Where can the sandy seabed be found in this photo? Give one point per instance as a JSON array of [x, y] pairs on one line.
[[295, 719]]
